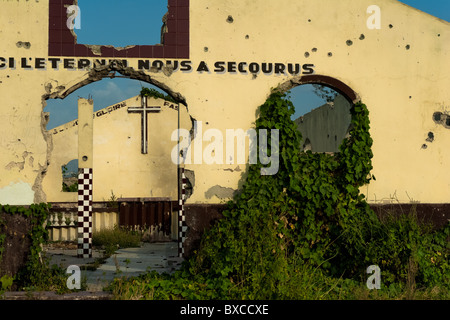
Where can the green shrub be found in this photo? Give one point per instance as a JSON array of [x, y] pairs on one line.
[[306, 232], [410, 252], [36, 274]]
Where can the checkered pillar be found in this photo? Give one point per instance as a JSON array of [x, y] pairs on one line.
[[182, 227], [85, 213]]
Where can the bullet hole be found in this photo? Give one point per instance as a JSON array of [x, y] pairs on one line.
[[26, 45], [330, 54], [362, 37], [205, 49], [410, 97], [442, 119], [424, 146], [391, 26], [314, 50], [247, 37], [408, 47], [349, 42], [230, 19], [437, 116], [430, 137], [309, 20], [439, 34], [85, 158], [306, 54]]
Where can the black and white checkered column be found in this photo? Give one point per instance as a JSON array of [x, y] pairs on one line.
[[85, 213], [182, 226]]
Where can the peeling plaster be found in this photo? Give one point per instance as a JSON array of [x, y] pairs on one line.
[[20, 165], [220, 192], [190, 177], [17, 194], [237, 169], [12, 165]]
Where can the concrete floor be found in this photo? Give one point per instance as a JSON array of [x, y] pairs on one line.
[[129, 262]]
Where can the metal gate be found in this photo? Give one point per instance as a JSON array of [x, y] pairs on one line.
[[151, 215]]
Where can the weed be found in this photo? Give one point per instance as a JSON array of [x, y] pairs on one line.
[[115, 238]]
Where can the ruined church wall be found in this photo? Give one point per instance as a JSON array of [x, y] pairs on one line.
[[399, 71], [119, 167]]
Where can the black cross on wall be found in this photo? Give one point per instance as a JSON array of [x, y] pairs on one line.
[[144, 110]]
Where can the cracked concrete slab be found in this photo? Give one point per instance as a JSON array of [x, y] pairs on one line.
[[128, 262]]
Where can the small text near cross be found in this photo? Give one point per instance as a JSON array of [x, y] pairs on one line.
[[144, 109]]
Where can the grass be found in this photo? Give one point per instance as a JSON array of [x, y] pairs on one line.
[[305, 284], [115, 238]]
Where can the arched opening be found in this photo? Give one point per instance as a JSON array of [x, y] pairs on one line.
[[114, 69], [106, 92], [322, 111], [327, 81], [120, 168]]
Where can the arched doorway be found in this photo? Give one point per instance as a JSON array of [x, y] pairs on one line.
[[122, 172]]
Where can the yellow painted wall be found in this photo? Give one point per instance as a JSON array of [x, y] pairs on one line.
[[402, 88]]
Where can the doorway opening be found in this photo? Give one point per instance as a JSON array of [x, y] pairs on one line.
[[122, 173]]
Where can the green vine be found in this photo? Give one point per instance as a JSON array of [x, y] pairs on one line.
[[38, 234], [303, 211], [288, 236], [150, 92]]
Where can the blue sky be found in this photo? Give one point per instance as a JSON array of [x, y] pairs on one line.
[[139, 22]]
